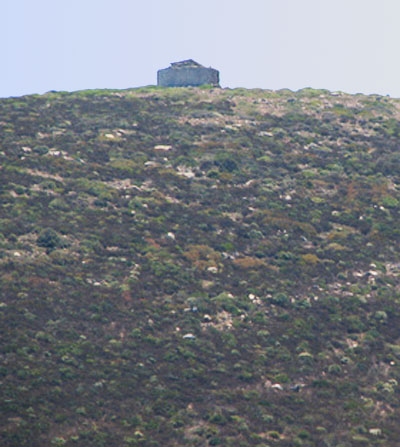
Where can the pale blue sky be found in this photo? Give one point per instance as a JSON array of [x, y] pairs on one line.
[[348, 45]]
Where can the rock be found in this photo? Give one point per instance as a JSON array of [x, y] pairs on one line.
[[186, 172], [297, 387], [152, 164], [189, 337], [162, 147], [375, 431]]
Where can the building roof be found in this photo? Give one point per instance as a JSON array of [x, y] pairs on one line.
[[189, 63]]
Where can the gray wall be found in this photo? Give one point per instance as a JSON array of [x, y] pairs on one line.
[[185, 77]]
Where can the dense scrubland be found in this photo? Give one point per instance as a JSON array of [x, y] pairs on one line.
[[199, 267]]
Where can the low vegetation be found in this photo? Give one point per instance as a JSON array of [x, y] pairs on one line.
[[199, 267]]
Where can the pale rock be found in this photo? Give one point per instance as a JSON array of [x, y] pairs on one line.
[[189, 336], [162, 147], [375, 431]]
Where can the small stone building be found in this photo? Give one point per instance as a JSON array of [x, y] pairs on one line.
[[187, 74]]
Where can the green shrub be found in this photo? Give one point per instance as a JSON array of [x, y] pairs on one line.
[[334, 369], [281, 299], [58, 441], [40, 150], [48, 238]]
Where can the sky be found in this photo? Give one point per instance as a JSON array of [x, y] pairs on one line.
[[69, 45]]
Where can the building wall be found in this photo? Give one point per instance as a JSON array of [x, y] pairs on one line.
[[187, 76]]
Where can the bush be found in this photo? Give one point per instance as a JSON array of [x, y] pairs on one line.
[[334, 369], [48, 238], [41, 150], [281, 299]]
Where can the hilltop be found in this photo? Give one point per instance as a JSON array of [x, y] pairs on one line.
[[199, 267]]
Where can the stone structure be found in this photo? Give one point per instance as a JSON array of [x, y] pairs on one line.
[[187, 74]]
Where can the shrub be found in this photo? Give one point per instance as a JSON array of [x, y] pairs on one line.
[[58, 441], [281, 299], [48, 238], [306, 357], [334, 369], [248, 262], [274, 434], [217, 418], [390, 202], [41, 150], [310, 259]]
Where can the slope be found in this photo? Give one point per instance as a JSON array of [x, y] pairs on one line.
[[199, 267]]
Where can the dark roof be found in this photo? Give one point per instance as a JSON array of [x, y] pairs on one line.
[[186, 64]]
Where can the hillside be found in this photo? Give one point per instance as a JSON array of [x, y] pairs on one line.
[[199, 267]]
